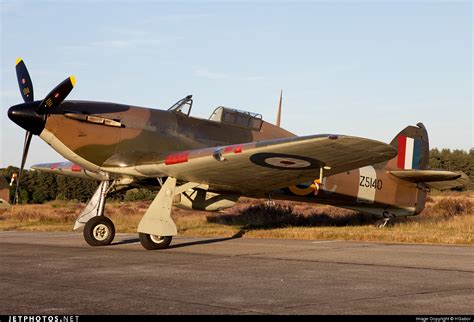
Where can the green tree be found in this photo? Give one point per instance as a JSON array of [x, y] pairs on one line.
[[456, 160]]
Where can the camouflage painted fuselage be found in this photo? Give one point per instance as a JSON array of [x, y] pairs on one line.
[[354, 190], [144, 135]]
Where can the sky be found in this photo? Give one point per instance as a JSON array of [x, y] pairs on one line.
[[365, 69]]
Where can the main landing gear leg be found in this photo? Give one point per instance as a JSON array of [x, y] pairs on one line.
[[98, 230], [156, 228]]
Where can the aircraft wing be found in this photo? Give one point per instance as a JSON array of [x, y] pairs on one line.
[[259, 167]]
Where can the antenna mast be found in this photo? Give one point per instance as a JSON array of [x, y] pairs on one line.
[[279, 110]]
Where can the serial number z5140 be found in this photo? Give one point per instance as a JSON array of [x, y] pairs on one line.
[[370, 182]]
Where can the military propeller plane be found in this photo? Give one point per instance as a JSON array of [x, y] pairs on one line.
[[207, 164]]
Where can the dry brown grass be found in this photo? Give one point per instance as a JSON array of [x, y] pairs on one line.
[[447, 219]]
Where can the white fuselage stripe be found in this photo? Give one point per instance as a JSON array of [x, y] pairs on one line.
[[409, 153], [366, 194]]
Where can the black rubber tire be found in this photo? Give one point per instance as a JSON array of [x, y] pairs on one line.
[[148, 243], [99, 231]]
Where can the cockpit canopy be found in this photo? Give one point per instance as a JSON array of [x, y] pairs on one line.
[[232, 116], [183, 106], [222, 114]]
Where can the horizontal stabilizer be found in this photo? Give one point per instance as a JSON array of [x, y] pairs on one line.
[[437, 179]]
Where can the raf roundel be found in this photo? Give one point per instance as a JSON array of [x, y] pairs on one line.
[[285, 161]]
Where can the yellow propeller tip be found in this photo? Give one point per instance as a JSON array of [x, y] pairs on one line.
[[73, 80], [18, 60]]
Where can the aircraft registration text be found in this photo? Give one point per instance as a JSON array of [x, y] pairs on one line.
[[369, 182]]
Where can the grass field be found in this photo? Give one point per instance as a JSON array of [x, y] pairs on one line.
[[447, 219]]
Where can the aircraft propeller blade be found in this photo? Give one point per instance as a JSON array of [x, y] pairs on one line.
[[24, 81], [57, 95], [31, 116], [26, 147]]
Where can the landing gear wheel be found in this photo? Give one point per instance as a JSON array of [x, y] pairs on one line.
[[152, 242], [386, 222], [99, 231]]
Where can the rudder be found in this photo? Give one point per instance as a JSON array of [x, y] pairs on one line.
[[413, 148]]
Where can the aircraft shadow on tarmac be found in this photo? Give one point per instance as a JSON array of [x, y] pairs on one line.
[[239, 234], [126, 241], [263, 216]]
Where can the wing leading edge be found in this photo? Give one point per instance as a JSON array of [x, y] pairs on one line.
[[69, 169]]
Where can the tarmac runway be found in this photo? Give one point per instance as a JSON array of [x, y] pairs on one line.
[[59, 274]]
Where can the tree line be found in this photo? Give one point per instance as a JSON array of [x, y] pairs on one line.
[[40, 187]]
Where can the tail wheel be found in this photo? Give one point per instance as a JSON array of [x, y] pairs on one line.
[[152, 242], [385, 222], [99, 231]]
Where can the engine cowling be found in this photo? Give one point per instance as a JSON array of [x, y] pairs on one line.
[[200, 199]]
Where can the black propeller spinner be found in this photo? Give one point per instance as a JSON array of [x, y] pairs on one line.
[[32, 115]]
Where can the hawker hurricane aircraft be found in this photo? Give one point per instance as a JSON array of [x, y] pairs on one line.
[[207, 164]]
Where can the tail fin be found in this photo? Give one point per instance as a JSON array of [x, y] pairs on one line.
[[413, 149], [412, 165]]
